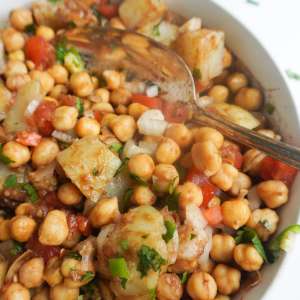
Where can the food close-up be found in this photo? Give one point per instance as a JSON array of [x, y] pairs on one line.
[[109, 190]]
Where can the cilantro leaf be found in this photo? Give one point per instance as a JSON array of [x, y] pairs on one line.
[[80, 107], [73, 60], [124, 245], [138, 180], [118, 268], [184, 277], [122, 167], [269, 108], [248, 235], [75, 255], [156, 30], [171, 228], [125, 202], [152, 293], [90, 291], [10, 181], [16, 249], [149, 258], [88, 275], [172, 201], [116, 147], [30, 191], [197, 74], [61, 51], [30, 29], [3, 158]]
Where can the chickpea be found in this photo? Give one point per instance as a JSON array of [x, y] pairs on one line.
[[241, 183], [105, 212], [206, 157], [180, 134], [81, 84], [46, 32], [225, 177], [41, 294], [25, 209], [100, 95], [22, 228], [167, 151], [12, 39], [15, 67], [107, 120], [222, 247], [249, 99], [15, 82], [236, 213], [16, 291], [52, 273], [228, 279], [121, 109], [113, 79], [45, 152], [59, 74], [219, 93], [58, 90], [123, 127], [164, 176], [142, 195], [201, 286], [169, 287], [31, 273], [4, 230], [69, 194], [252, 161], [18, 55], [274, 193], [189, 193], [264, 221], [17, 153], [87, 127], [136, 110], [65, 118], [20, 18], [103, 107], [61, 291], [222, 297], [45, 79], [227, 60], [141, 165], [247, 257], [236, 81], [54, 229], [68, 265], [205, 134], [120, 96]]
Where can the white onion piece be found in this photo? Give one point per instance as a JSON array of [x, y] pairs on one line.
[[195, 217], [103, 235], [204, 101], [152, 91], [191, 25], [118, 185], [204, 258], [148, 147], [31, 107], [152, 122], [254, 200], [173, 247], [130, 149], [62, 136]]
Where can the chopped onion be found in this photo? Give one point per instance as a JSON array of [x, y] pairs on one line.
[[204, 101], [253, 198], [62, 136], [152, 91], [204, 258], [191, 25], [152, 122], [195, 217], [148, 147], [104, 234], [31, 107], [130, 149]]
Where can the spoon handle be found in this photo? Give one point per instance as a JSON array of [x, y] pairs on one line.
[[276, 149]]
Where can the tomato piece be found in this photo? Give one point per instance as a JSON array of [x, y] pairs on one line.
[[43, 117], [26, 138], [277, 170], [68, 100], [151, 102], [175, 112], [84, 225], [209, 190], [231, 154], [213, 215], [40, 52], [108, 10]]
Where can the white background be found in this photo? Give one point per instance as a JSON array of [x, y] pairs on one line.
[[277, 25]]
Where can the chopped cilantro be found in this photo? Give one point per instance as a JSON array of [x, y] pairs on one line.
[[152, 293], [74, 254], [184, 277], [172, 185], [73, 60], [149, 258], [30, 191], [3, 158], [292, 75], [172, 201], [16, 248], [30, 29], [171, 228], [156, 30], [90, 291], [138, 180], [61, 51], [269, 108], [197, 74], [95, 172], [192, 236], [80, 107], [10, 181], [118, 268], [116, 147], [71, 24], [125, 202], [124, 245], [122, 167], [87, 276]]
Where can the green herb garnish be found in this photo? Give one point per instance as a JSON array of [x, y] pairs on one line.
[[152, 293], [192, 236], [125, 202], [171, 228], [172, 185], [61, 51], [90, 291], [149, 258], [269, 108], [172, 201], [74, 254], [30, 191], [3, 158], [71, 24], [11, 181], [292, 75], [73, 61], [30, 29], [122, 167], [95, 172], [87, 276], [138, 180], [116, 147], [16, 249], [118, 268], [197, 74], [156, 30], [80, 107], [124, 245], [184, 277]]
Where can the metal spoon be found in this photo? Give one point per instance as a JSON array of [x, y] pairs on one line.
[[148, 60]]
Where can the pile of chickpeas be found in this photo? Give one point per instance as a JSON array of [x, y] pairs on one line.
[[181, 144]]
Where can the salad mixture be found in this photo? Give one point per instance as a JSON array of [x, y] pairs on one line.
[[106, 192]]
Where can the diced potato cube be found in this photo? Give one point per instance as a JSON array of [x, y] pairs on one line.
[[90, 165], [137, 13], [202, 50]]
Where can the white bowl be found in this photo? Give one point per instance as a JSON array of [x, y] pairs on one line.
[[248, 48]]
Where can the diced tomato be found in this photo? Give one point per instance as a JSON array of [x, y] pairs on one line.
[[68, 100], [151, 102], [50, 201], [26, 138], [108, 10], [231, 154], [40, 52], [209, 190], [213, 215], [199, 86], [175, 112], [43, 117], [274, 169], [46, 252], [83, 225]]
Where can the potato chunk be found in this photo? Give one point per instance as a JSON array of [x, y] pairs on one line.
[[203, 50], [90, 165], [137, 13]]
